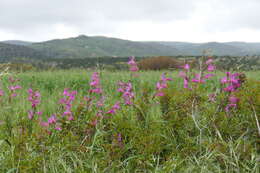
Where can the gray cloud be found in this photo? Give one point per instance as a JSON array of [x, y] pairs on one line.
[[229, 15], [30, 18], [28, 14]]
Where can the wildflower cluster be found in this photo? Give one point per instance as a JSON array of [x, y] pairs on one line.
[[13, 87], [52, 123], [162, 84], [200, 77], [126, 89], [66, 102], [114, 108], [95, 84], [133, 65], [35, 99], [231, 82]]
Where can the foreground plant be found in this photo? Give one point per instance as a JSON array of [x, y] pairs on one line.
[[146, 123]]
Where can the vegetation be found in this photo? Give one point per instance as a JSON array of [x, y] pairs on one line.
[[159, 63], [10, 51], [85, 47], [84, 121]]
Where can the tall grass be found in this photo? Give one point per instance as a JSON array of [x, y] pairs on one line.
[[178, 132]]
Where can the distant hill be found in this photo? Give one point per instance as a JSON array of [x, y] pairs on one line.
[[215, 48], [84, 46], [17, 51], [251, 48], [99, 46], [17, 42]]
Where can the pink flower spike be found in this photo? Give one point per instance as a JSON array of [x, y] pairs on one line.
[[30, 115], [227, 109], [182, 74], [1, 92], [185, 83], [111, 111], [44, 124], [116, 106], [207, 76], [13, 94], [52, 119], [132, 64], [224, 80], [211, 67], [58, 128], [39, 113], [209, 61], [186, 67], [159, 94], [70, 118], [233, 99]]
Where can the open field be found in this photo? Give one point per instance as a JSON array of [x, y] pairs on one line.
[[137, 128]]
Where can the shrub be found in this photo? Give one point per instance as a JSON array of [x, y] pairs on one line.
[[158, 63]]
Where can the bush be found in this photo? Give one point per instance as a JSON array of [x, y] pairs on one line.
[[159, 63]]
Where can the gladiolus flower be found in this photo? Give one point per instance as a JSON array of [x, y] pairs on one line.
[[132, 64], [211, 67], [186, 67]]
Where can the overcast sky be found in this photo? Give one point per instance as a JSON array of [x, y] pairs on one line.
[[159, 20]]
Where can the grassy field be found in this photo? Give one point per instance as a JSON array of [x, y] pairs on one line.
[[180, 131]]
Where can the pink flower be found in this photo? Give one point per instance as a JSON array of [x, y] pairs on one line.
[[127, 92], [133, 64], [229, 106], [34, 97], [100, 102], [161, 85], [186, 67], [52, 119], [16, 87], [66, 102], [209, 75], [182, 74], [232, 80], [198, 79], [95, 84], [58, 128], [209, 61], [185, 83], [159, 94], [30, 114], [44, 124], [13, 94], [164, 78], [233, 99], [134, 68], [1, 92], [70, 118], [211, 67], [224, 80], [114, 108], [96, 90]]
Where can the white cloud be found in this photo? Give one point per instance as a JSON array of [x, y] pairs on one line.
[[171, 20]]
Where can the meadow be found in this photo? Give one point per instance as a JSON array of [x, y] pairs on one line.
[[130, 121]]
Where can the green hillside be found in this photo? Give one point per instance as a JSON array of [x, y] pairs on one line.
[[218, 49], [8, 51], [84, 46], [99, 46]]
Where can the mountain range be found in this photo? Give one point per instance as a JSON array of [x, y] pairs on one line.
[[100, 46]]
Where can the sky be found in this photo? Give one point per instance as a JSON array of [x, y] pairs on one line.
[[137, 20]]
